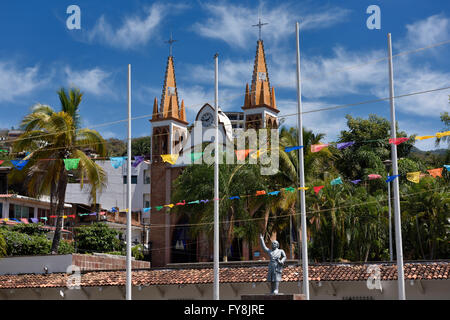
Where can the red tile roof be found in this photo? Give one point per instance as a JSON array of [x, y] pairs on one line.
[[336, 272]]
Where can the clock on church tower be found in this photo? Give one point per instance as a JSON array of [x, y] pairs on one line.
[[207, 119]]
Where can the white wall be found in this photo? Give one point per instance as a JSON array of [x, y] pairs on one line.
[[115, 193], [35, 264]]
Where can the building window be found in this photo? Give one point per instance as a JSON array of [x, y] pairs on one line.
[[42, 213], [133, 180], [146, 176], [17, 211], [262, 76], [146, 198]]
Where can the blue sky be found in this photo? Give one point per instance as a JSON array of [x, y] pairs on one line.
[[39, 55]]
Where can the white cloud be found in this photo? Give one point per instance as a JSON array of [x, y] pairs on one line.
[[94, 81], [196, 96], [135, 30], [429, 31], [108, 134], [16, 82], [415, 78], [329, 76], [231, 73], [233, 23]]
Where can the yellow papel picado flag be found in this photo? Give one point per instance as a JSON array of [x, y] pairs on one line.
[[170, 158], [413, 176]]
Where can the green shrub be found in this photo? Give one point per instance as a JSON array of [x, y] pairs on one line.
[[137, 252], [32, 229], [116, 253], [21, 244], [3, 247], [97, 237], [65, 247]]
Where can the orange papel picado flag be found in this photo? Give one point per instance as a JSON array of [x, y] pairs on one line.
[[242, 154], [413, 176], [435, 172], [170, 158], [261, 192]]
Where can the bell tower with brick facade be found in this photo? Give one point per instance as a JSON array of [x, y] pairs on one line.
[[260, 109], [169, 130]]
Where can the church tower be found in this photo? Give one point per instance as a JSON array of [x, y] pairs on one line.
[[169, 119], [169, 130], [260, 109]]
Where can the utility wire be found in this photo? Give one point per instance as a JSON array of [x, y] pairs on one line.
[[280, 117], [238, 95]]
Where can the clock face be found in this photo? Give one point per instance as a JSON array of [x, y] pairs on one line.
[[207, 119]]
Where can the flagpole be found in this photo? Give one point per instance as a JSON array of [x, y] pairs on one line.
[[397, 213], [128, 212], [216, 182], [302, 174]]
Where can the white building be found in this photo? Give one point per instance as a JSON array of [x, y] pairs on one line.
[[114, 195]]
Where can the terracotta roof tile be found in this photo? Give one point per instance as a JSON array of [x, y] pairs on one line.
[[336, 272]]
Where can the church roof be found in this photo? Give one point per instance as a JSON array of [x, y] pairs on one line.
[[169, 107], [260, 94]]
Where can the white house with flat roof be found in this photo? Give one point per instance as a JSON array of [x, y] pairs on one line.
[[114, 195]]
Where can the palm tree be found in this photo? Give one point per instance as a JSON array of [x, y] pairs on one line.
[[314, 164], [426, 212], [196, 182], [51, 137]]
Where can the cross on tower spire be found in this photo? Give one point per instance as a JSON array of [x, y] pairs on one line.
[[259, 25], [170, 42]]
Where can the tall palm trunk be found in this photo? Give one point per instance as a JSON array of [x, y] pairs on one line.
[[61, 195], [52, 198], [419, 238]]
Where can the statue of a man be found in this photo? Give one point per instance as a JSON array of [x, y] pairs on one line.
[[277, 258]]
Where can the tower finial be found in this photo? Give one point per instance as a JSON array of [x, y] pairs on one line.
[[170, 42], [259, 25]]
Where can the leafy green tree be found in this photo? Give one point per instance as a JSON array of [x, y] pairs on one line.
[[371, 148], [426, 219], [141, 146], [116, 147], [56, 136], [97, 237]]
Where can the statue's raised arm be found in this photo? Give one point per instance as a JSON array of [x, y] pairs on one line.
[[263, 245]]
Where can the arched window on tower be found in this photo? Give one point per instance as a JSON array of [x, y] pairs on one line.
[[164, 141]]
